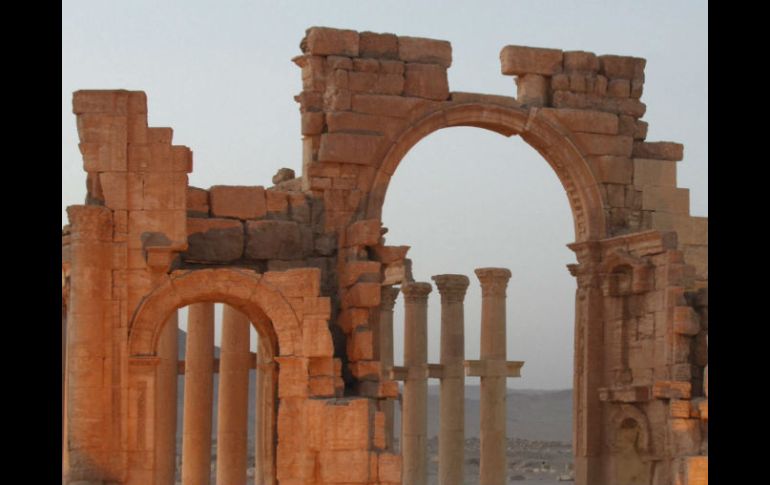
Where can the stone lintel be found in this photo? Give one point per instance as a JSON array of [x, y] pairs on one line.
[[493, 368]]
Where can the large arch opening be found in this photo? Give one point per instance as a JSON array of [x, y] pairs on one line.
[[524, 225], [552, 142]]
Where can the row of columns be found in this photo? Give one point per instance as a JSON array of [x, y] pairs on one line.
[[232, 411], [492, 368]]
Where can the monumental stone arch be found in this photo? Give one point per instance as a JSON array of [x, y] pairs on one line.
[[305, 262]]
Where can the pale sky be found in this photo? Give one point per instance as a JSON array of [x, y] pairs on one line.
[[220, 74]]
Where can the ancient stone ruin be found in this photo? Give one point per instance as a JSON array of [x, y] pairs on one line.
[[305, 263]]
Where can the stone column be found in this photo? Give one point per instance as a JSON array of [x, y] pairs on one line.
[[264, 422], [88, 333], [493, 343], [414, 434], [165, 402], [451, 438], [232, 414], [387, 301], [198, 395]]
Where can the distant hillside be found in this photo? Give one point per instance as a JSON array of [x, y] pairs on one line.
[[536, 415]]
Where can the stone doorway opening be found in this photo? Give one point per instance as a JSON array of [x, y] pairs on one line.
[[215, 397]]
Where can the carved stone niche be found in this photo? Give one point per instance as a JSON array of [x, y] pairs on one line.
[[626, 275], [629, 445]]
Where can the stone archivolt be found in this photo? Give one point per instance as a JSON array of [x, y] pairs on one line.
[[305, 262]]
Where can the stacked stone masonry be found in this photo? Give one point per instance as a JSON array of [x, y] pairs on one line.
[[305, 262]]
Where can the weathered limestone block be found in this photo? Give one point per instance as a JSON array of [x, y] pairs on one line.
[[463, 97], [239, 202], [685, 436], [214, 240], [363, 233], [197, 202], [612, 169], [667, 199], [273, 240], [580, 61], [659, 150], [593, 144], [622, 67], [394, 106], [382, 46], [363, 271], [324, 41], [532, 90], [627, 106], [619, 88], [349, 121], [426, 81], [429, 51], [360, 345], [345, 466], [349, 148], [520, 60], [584, 120], [661, 173], [277, 203], [316, 338], [362, 295]]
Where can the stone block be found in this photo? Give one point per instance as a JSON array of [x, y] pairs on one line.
[[640, 133], [426, 81], [322, 386], [324, 41], [316, 338], [381, 46], [520, 60], [339, 62], [312, 123], [347, 424], [214, 240], [532, 90], [394, 106], [197, 202], [321, 366], [622, 67], [360, 345], [619, 88], [389, 254], [612, 169], [666, 199], [101, 101], [292, 377], [349, 121], [594, 144], [586, 121], [428, 51], [671, 390], [580, 61], [363, 233], [659, 150], [637, 88], [389, 468], [296, 282], [560, 82], [239, 202], [349, 148], [366, 369], [685, 436], [661, 173], [364, 271], [277, 202], [273, 239], [362, 295], [578, 83], [345, 466], [351, 318]]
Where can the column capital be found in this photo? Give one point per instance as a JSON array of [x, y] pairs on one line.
[[416, 291], [388, 295], [90, 222], [494, 281], [452, 287]]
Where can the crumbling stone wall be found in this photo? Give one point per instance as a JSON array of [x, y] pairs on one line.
[[309, 253]]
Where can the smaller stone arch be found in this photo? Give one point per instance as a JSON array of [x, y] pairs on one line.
[[625, 414], [244, 290]]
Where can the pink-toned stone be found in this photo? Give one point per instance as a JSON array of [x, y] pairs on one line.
[[429, 51], [383, 46], [426, 81], [323, 41]]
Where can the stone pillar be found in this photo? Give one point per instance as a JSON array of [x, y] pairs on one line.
[[414, 433], [265, 416], [387, 301], [87, 441], [451, 438], [232, 414], [493, 342], [198, 395], [166, 402]]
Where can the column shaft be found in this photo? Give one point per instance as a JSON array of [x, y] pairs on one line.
[[265, 416], [87, 444], [198, 395], [414, 441], [493, 344], [166, 402], [451, 438], [232, 415], [388, 299]]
